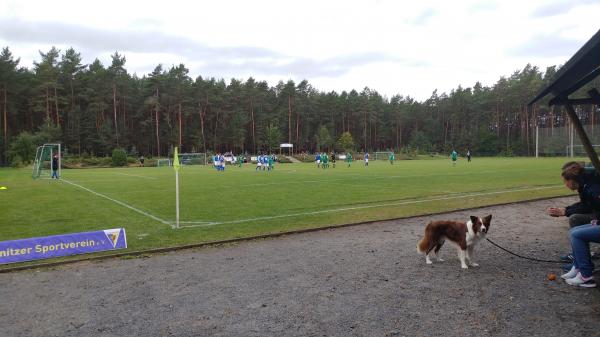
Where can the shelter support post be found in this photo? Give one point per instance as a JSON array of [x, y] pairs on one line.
[[585, 141]]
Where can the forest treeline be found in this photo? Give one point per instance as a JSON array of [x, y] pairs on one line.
[[94, 108]]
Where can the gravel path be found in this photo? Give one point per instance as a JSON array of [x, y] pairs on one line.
[[365, 280]]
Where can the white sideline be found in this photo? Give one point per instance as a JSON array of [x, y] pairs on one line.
[[206, 224], [120, 203]]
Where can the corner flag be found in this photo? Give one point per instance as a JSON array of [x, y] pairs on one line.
[[176, 160], [176, 167]]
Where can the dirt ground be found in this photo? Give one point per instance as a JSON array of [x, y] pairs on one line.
[[364, 280]]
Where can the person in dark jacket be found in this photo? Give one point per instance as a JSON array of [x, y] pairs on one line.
[[579, 213], [580, 274], [55, 167]]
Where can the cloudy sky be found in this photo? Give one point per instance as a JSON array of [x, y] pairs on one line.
[[395, 47]]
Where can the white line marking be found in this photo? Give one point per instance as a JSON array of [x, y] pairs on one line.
[[120, 203], [368, 206], [135, 175]]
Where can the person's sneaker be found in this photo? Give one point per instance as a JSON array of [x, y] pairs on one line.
[[567, 267], [567, 258], [579, 280], [572, 273]]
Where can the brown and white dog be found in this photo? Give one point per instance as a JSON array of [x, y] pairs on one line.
[[464, 235]]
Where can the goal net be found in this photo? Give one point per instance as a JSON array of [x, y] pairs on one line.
[[564, 141], [42, 165], [193, 158], [383, 155], [163, 162]]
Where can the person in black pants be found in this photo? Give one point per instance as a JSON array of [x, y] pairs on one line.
[[55, 167]]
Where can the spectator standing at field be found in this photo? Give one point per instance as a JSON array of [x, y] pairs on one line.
[[574, 178], [454, 156], [468, 155], [55, 167], [366, 158]]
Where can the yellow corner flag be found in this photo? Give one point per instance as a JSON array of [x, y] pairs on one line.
[[176, 160]]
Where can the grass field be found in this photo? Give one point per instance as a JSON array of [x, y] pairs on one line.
[[241, 202]]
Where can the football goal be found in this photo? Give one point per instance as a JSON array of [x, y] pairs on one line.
[[383, 155], [42, 166], [563, 141], [193, 158], [163, 162]]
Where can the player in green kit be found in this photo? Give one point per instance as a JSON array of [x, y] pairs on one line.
[[240, 160], [271, 161], [392, 158], [348, 158], [325, 160], [454, 156]]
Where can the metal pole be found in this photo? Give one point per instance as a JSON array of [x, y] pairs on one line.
[[571, 140], [177, 198], [59, 161], [585, 141], [537, 140]]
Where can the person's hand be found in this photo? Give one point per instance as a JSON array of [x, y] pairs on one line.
[[556, 211]]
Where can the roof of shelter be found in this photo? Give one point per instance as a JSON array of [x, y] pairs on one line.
[[582, 68]]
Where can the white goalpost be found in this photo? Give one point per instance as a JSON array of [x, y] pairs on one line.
[[42, 166], [382, 155], [163, 162]]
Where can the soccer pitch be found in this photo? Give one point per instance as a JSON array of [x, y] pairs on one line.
[[241, 202]]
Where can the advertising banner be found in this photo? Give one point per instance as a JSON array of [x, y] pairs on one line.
[[62, 245]]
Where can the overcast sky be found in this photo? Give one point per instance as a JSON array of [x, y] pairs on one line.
[[395, 47]]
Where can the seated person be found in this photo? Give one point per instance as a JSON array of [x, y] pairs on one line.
[[580, 236]]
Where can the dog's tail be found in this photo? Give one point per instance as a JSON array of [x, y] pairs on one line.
[[423, 244]]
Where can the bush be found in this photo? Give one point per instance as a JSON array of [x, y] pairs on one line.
[[119, 157], [16, 161], [23, 146], [283, 160], [305, 158]]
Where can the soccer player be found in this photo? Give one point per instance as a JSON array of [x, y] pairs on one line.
[[366, 158], [258, 163], [318, 160], [468, 155], [325, 160], [270, 161], [333, 159], [454, 156], [348, 158], [221, 162], [392, 157]]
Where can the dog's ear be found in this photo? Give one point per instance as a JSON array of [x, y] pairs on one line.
[[487, 221], [474, 219]]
